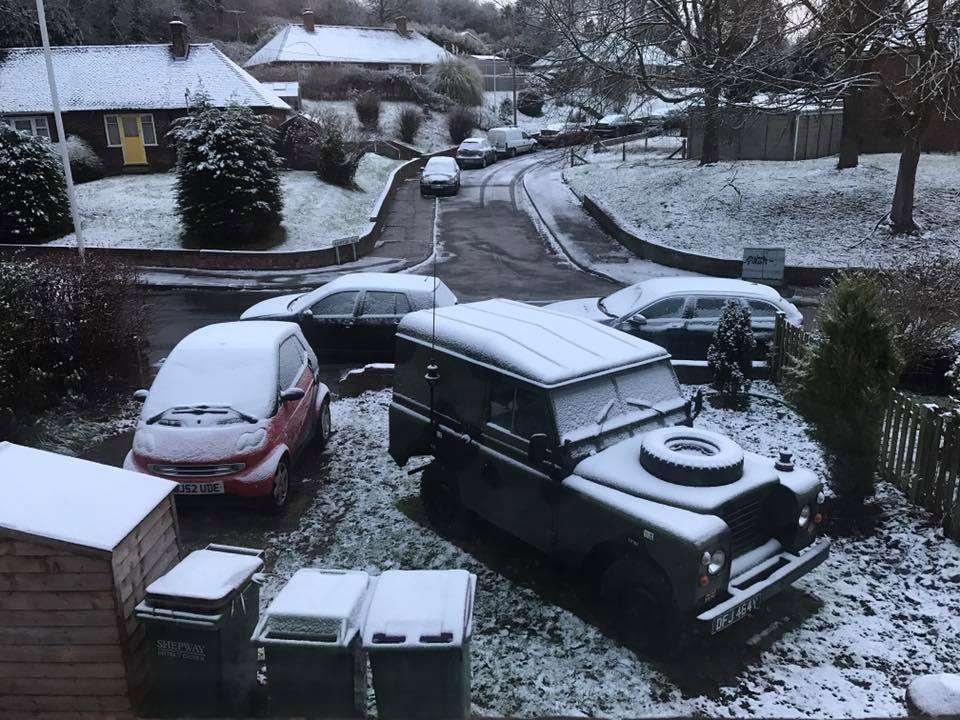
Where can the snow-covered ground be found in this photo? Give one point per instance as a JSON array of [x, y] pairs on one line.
[[822, 216], [140, 210], [843, 643]]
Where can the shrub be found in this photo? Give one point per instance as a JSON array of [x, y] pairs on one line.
[[458, 80], [730, 356], [675, 119], [923, 299], [505, 111], [445, 37], [367, 105], [227, 184], [33, 193], [461, 122], [408, 124], [530, 103], [79, 327], [345, 83], [336, 159], [85, 164], [843, 382]]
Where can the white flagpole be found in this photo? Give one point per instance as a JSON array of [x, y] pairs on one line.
[[58, 118]]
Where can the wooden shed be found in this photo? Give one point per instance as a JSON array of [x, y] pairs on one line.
[[79, 543]]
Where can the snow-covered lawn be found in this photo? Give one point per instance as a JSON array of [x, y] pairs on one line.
[[843, 643], [822, 216], [139, 211]]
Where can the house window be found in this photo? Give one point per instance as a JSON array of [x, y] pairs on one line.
[[116, 124], [400, 68], [35, 126]]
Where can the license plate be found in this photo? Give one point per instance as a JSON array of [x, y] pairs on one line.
[[207, 488], [737, 612]]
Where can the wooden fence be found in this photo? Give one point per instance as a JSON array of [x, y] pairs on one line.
[[788, 343], [919, 442], [920, 454]]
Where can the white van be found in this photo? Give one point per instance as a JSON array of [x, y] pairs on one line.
[[510, 141]]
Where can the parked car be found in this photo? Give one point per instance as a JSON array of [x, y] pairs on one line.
[[356, 315], [563, 135], [575, 438], [681, 314], [476, 152], [440, 176], [231, 409], [510, 141], [616, 125]]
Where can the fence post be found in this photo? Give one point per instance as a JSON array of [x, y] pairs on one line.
[[776, 354]]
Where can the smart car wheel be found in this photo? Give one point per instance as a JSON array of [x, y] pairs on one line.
[[276, 501], [324, 425], [638, 601], [441, 500], [691, 456]]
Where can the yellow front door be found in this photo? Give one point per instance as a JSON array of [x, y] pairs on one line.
[[131, 139]]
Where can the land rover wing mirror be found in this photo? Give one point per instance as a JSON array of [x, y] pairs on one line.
[[537, 452]]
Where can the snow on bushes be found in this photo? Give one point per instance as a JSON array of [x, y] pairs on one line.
[[78, 328], [530, 103], [730, 356], [227, 185], [843, 382], [461, 122], [408, 123], [336, 159], [342, 83], [367, 105], [33, 194], [458, 80], [85, 164]]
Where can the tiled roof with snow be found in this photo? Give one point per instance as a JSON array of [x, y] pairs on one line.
[[126, 77], [346, 44]]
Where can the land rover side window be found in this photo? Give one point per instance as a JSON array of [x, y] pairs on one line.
[[669, 308], [341, 303], [520, 411], [502, 403]]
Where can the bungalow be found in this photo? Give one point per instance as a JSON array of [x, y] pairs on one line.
[[309, 45], [121, 99]]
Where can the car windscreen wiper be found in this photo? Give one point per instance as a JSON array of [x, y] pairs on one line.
[[645, 405], [201, 410]]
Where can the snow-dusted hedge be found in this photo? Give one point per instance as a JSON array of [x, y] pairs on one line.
[[461, 122], [228, 186], [458, 80], [333, 83], [71, 329], [33, 194], [730, 355], [85, 164]]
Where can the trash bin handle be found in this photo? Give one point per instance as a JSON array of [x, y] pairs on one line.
[[236, 550], [471, 594]]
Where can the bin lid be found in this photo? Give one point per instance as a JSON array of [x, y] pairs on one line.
[[316, 606], [205, 577], [422, 608]]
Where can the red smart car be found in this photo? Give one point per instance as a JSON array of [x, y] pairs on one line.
[[231, 408]]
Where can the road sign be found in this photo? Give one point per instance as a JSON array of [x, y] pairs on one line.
[[764, 265]]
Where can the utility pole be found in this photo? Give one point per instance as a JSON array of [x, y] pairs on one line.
[[237, 14], [513, 64], [61, 135]]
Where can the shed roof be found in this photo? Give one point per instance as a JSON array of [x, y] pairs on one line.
[[346, 44], [71, 500], [127, 77], [539, 345]]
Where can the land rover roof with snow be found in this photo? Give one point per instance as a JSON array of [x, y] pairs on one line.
[[576, 438]]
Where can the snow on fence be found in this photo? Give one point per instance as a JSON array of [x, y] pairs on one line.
[[919, 442], [920, 454], [788, 343]]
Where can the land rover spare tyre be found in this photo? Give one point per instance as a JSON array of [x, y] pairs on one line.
[[690, 456]]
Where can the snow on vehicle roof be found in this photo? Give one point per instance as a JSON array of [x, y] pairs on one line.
[[127, 77], [72, 500], [538, 345], [417, 604], [414, 285], [227, 364], [472, 141], [440, 163], [710, 285], [345, 44], [206, 575]]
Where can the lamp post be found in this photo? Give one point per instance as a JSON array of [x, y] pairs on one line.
[[58, 119]]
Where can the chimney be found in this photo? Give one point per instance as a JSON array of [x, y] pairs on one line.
[[308, 22], [178, 39], [401, 22]]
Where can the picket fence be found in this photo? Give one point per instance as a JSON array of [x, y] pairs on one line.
[[919, 442]]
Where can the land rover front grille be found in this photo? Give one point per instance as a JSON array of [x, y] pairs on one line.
[[747, 528], [195, 471]]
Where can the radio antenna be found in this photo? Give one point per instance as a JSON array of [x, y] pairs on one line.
[[433, 371]]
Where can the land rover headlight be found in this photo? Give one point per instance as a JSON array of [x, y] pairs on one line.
[[804, 516], [821, 497], [715, 561]]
